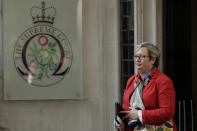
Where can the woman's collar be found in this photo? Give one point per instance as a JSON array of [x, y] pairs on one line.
[[154, 70]]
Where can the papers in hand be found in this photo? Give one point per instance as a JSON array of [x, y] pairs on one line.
[[118, 108], [118, 120], [119, 116]]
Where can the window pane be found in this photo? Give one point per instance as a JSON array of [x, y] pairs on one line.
[[126, 41]]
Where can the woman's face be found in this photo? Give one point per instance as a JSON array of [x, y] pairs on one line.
[[142, 60]]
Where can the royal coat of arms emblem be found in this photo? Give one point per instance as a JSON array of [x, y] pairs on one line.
[[43, 53]]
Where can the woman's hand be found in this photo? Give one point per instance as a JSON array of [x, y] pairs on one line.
[[130, 115]]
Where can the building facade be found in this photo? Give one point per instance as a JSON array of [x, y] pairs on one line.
[[101, 72]]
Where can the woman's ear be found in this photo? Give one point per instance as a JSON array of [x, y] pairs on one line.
[[153, 60]]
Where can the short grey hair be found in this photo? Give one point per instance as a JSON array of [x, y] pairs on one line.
[[153, 51]]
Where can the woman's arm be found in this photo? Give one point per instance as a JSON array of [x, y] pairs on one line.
[[166, 104]]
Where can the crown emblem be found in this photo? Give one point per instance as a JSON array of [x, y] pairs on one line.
[[43, 14]]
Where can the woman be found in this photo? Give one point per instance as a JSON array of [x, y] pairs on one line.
[[149, 97]]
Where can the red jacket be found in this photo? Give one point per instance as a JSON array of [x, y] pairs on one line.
[[158, 97]]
